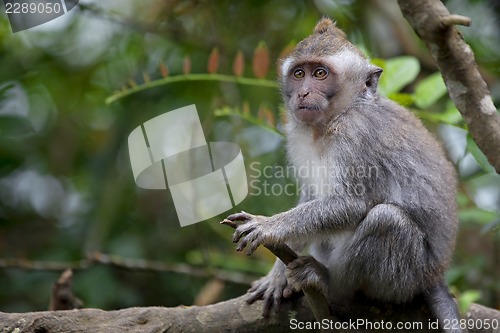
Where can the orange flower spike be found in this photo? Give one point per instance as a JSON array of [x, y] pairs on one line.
[[163, 69], [261, 62], [246, 108], [213, 61], [186, 65], [239, 64]]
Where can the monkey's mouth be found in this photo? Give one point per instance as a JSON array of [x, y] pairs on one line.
[[308, 108], [307, 113]]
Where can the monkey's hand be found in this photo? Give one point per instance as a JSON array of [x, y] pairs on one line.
[[307, 272], [251, 233]]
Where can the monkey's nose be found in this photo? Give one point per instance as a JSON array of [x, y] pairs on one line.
[[303, 94]]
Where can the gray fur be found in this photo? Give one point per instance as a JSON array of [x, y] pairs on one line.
[[382, 217]]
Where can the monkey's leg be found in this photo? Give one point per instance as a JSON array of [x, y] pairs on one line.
[[443, 307], [306, 272], [391, 259]]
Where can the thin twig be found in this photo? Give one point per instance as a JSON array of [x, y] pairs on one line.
[[98, 258], [454, 19], [190, 77]]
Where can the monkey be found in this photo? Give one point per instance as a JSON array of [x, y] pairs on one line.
[[377, 206]]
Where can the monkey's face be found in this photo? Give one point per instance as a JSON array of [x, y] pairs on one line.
[[325, 75], [308, 89]]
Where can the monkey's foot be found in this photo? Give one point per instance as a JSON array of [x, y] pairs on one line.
[[272, 289], [251, 233], [307, 272]]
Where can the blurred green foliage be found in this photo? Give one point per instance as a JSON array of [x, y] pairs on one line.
[[66, 186]]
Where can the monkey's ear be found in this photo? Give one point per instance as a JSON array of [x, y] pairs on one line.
[[372, 79]]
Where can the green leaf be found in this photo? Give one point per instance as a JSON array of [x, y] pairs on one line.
[[15, 127], [378, 62], [429, 90], [491, 227], [479, 155], [451, 116], [402, 99], [466, 299], [476, 216], [398, 72], [454, 274], [462, 200]]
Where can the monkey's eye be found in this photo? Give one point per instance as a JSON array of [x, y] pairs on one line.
[[320, 73], [299, 73]]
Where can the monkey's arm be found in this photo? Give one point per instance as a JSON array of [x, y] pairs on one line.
[[303, 273], [307, 220]]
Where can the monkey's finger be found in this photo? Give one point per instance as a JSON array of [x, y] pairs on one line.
[[255, 295], [253, 246], [232, 224], [268, 305], [250, 238], [241, 231], [242, 216], [252, 299], [251, 249], [276, 300], [237, 235], [267, 308], [243, 243]]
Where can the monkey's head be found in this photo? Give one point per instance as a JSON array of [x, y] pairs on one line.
[[324, 75]]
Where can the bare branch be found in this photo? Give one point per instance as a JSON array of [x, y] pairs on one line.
[[456, 20], [433, 23], [229, 316], [98, 258], [62, 297]]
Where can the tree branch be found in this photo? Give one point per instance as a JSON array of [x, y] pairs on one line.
[[229, 316], [435, 26], [456, 20], [99, 258]]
